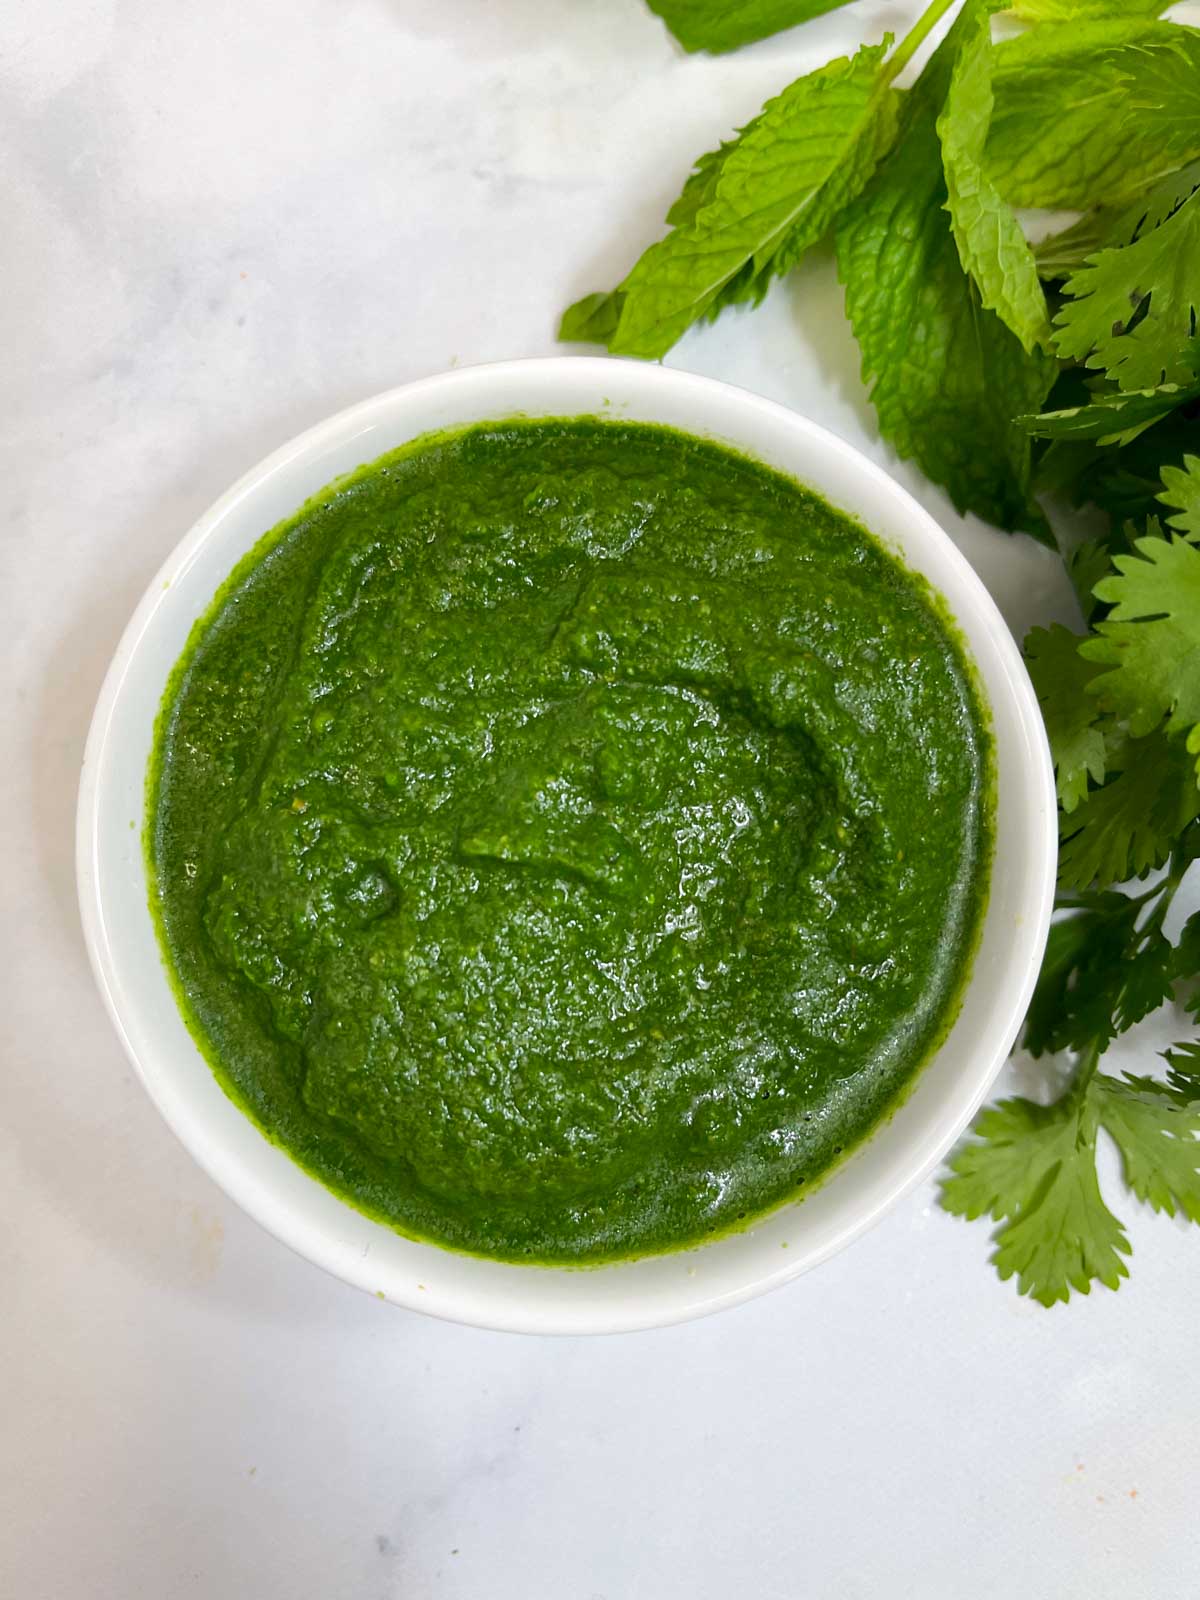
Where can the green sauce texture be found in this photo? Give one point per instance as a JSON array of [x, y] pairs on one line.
[[568, 837]]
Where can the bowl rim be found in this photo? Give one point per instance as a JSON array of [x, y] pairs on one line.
[[504, 1311]]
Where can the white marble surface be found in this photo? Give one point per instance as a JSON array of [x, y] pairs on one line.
[[220, 223]]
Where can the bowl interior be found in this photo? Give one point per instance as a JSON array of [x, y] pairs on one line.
[[259, 1176]]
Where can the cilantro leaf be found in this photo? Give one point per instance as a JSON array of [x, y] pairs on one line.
[[1184, 1063], [1086, 565], [1187, 959], [1033, 1169], [1154, 1126], [1061, 677], [1147, 979], [1125, 483], [1048, 1024], [991, 246], [720, 25], [1129, 826], [1181, 489], [752, 208], [1078, 992], [1112, 418], [1089, 113], [1107, 965], [947, 376], [1132, 311], [1110, 227], [1150, 641]]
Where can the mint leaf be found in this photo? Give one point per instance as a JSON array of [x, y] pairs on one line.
[[1132, 311], [1086, 10], [753, 208], [592, 320], [991, 246], [595, 318], [701, 186], [1150, 641], [1061, 677], [1090, 113], [947, 376], [713, 25], [1033, 1169], [1181, 490]]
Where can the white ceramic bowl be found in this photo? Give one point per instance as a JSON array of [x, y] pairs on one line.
[[261, 1178]]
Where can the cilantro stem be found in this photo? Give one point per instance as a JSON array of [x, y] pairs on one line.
[[1094, 901], [915, 38], [1186, 851], [1166, 892], [1154, 922], [1088, 1062]]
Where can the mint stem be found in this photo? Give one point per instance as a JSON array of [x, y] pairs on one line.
[[915, 38]]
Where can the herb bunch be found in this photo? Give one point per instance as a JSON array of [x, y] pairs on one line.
[[1018, 377]]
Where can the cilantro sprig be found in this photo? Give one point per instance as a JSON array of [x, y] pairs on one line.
[[1032, 1168], [1018, 377]]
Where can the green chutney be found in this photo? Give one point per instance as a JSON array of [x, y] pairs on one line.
[[567, 838]]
